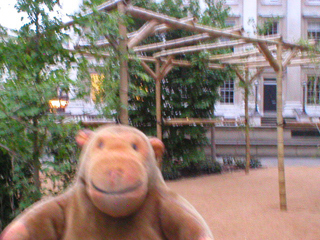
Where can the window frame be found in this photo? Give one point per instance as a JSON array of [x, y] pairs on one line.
[[231, 2], [277, 21], [313, 2], [271, 2], [313, 95], [317, 22], [227, 92]]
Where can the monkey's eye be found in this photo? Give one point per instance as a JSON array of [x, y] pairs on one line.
[[100, 144], [134, 146]]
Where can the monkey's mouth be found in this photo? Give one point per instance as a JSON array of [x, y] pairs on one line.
[[118, 192]]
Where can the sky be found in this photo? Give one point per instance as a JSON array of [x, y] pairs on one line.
[[11, 19]]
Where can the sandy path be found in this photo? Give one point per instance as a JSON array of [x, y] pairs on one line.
[[239, 207]]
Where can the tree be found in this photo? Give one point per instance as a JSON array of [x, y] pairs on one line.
[[187, 92], [34, 64]]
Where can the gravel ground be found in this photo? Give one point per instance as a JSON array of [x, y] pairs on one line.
[[246, 207]]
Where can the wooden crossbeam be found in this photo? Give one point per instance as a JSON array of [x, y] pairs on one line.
[[294, 62], [239, 75], [173, 43], [174, 22], [290, 56], [196, 121], [198, 48], [180, 63], [242, 78], [245, 60], [166, 67], [259, 71], [238, 54], [143, 33], [179, 41], [266, 52], [149, 70]]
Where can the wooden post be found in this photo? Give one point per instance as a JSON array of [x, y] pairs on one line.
[[143, 33], [213, 143], [158, 100], [124, 85], [247, 127], [282, 183]]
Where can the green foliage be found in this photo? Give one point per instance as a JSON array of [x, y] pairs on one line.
[[60, 170], [94, 28], [266, 26], [33, 63], [240, 162], [186, 92], [216, 13], [176, 170], [8, 201]]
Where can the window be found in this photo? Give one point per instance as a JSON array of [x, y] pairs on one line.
[[271, 2], [305, 133], [227, 92], [231, 2], [314, 31], [313, 2], [96, 84], [230, 23], [270, 28], [313, 90]]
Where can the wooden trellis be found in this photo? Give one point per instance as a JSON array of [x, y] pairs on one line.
[[263, 52]]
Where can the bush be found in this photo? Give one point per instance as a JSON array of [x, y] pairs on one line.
[[170, 173], [176, 170], [209, 167], [240, 162]]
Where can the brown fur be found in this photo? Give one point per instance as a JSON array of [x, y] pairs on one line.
[[119, 193]]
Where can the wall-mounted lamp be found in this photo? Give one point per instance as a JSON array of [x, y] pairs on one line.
[[59, 104]]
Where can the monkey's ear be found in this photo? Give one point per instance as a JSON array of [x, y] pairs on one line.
[[158, 146], [83, 136]]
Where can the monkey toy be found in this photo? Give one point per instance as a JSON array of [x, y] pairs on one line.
[[119, 193]]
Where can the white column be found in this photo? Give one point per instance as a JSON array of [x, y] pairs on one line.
[[250, 16], [293, 20], [293, 93]]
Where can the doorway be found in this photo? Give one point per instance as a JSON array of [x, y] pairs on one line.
[[270, 95]]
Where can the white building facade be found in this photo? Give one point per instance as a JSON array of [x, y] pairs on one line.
[[293, 20]]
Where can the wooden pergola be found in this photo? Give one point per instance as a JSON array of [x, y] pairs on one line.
[[263, 52]]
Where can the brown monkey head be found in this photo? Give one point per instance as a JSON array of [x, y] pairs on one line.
[[117, 165]]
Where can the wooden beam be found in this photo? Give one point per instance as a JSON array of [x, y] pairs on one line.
[[165, 72], [179, 41], [238, 54], [179, 63], [259, 71], [148, 70], [290, 56], [175, 23], [124, 75], [166, 64], [196, 121], [244, 61], [107, 6], [164, 27], [198, 48], [158, 102], [239, 75], [280, 139], [143, 33], [267, 54], [173, 43]]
